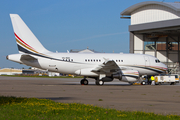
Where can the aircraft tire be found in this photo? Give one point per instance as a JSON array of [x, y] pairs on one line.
[[84, 82], [99, 82]]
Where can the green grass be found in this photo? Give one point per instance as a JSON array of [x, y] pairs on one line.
[[42, 76], [12, 108]]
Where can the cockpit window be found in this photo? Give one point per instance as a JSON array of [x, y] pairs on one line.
[[157, 61]]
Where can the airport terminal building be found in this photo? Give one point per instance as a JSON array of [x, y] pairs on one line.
[[155, 30]]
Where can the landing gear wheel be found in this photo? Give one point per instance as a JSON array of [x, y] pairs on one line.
[[84, 82], [99, 82]]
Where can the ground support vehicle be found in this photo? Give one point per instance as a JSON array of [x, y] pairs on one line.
[[165, 79]]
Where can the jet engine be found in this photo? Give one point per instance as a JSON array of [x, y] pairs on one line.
[[130, 75], [127, 75], [107, 79], [117, 76]]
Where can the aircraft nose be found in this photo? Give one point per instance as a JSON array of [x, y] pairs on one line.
[[164, 66], [7, 57]]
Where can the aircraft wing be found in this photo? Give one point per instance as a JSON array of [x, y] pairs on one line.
[[109, 66], [27, 57]]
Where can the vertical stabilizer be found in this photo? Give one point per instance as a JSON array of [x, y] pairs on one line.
[[26, 40]]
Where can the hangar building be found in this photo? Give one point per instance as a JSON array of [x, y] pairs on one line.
[[155, 30]]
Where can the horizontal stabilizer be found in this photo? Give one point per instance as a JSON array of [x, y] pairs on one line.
[[27, 57]]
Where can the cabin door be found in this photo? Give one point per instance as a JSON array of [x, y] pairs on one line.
[[147, 62]]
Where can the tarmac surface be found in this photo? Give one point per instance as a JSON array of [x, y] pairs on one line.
[[160, 99]]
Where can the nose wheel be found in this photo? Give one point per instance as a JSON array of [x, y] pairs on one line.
[[84, 82]]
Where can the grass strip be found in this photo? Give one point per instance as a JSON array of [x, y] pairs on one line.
[[12, 108]]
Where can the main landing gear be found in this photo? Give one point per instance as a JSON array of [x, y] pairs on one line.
[[97, 82]]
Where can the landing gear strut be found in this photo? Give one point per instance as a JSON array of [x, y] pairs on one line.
[[84, 81]]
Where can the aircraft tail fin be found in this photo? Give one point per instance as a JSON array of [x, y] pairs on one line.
[[25, 39]]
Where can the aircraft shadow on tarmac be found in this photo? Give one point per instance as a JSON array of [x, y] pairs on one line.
[[59, 98], [95, 85]]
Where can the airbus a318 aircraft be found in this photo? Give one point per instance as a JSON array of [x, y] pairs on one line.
[[103, 67]]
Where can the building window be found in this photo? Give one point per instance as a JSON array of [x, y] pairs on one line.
[[149, 45]]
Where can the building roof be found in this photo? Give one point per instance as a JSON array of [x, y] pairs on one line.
[[127, 12], [10, 70], [83, 51]]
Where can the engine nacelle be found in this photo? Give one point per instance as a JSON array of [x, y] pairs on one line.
[[107, 79], [129, 79], [127, 75], [117, 76], [130, 75]]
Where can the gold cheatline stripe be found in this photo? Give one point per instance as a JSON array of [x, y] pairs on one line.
[[157, 68], [28, 47], [154, 68]]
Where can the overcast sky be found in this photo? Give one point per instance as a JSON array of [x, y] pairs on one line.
[[62, 25]]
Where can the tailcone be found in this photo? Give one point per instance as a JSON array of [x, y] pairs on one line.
[[14, 58]]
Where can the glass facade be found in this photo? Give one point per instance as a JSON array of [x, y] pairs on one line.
[[149, 45]]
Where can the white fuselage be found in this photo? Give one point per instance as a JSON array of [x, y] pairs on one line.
[[83, 63], [103, 67]]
